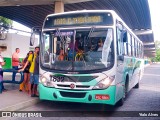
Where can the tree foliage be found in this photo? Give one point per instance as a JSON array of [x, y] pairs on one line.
[[157, 44], [5, 23], [157, 57]]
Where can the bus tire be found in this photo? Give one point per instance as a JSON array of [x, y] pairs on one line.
[[121, 101], [137, 85]]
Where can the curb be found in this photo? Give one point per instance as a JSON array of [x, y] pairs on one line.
[[21, 105]]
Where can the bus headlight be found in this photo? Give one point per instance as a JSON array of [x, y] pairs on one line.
[[105, 83], [46, 82]]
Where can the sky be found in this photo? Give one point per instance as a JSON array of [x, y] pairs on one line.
[[20, 27], [155, 18]]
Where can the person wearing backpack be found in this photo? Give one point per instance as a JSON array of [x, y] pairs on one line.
[[31, 59], [24, 86]]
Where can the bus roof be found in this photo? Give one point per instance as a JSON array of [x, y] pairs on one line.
[[81, 11], [115, 15]]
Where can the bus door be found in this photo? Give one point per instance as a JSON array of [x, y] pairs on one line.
[[120, 53]]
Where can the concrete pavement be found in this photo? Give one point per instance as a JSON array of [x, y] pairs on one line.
[[12, 99]]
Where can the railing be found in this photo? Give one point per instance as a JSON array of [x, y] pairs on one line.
[[13, 81]]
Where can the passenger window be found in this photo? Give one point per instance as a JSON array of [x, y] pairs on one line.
[[129, 45], [125, 43], [133, 46], [120, 46]]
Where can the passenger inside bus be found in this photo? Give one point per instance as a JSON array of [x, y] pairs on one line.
[[73, 50], [100, 45], [71, 45], [61, 55], [80, 55], [83, 49]]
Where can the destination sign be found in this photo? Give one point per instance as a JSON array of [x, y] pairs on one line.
[[79, 19]]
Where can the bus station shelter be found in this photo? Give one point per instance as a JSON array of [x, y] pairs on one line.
[[135, 13]]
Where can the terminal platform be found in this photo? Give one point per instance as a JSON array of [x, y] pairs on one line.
[[12, 99]]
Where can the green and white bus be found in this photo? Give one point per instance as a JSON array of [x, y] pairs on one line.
[[88, 56]]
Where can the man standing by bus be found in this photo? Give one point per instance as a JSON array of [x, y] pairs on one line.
[[15, 62]]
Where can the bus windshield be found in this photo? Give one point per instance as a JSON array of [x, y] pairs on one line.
[[77, 50]]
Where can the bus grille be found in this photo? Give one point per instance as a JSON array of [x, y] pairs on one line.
[[72, 94]]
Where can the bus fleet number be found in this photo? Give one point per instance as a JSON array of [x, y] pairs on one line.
[[57, 78]]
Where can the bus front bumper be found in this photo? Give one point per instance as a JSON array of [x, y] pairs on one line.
[[106, 96]]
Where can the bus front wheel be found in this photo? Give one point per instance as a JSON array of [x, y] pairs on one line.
[[125, 89], [137, 85], [120, 102]]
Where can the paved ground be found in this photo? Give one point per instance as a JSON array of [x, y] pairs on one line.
[[12, 99], [144, 100]]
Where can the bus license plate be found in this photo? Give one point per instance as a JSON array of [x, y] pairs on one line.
[[102, 97], [57, 78]]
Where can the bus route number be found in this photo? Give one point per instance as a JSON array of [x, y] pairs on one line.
[[57, 78]]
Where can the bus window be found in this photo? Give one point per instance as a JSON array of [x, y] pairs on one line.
[[120, 46], [125, 48], [129, 45], [141, 51], [137, 49], [125, 44], [133, 46]]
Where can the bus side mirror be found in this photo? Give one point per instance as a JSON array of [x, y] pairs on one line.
[[35, 31], [121, 57], [32, 39]]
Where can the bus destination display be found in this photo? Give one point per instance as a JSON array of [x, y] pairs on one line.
[[79, 19]]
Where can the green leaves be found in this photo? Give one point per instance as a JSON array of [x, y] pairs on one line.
[[157, 57], [5, 22]]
